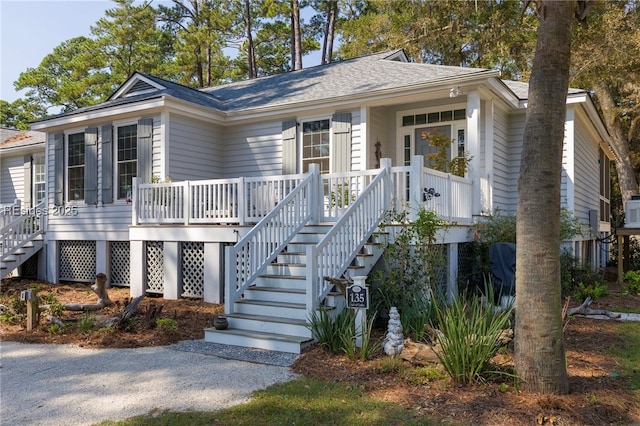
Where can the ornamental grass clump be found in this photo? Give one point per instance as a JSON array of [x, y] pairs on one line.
[[470, 335]]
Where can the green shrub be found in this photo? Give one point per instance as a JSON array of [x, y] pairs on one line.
[[632, 282], [577, 278], [595, 291], [469, 335], [338, 334], [86, 322], [414, 264], [167, 325]]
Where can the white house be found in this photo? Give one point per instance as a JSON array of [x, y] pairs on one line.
[[161, 186]]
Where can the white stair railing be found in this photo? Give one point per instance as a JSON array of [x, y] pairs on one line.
[[24, 228], [334, 253], [253, 253]]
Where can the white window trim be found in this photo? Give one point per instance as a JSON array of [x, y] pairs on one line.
[[67, 133], [34, 156], [300, 135], [116, 125]]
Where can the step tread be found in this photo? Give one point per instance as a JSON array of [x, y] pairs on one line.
[[267, 318], [261, 335], [274, 304], [278, 289], [286, 277]]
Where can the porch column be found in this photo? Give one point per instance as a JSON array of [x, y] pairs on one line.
[[213, 273], [473, 130], [416, 186], [172, 270], [316, 195], [102, 258], [52, 260], [452, 285], [136, 268]]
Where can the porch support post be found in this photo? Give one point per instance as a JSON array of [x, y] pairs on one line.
[[134, 202], [187, 208], [102, 258], [315, 206], [385, 163], [242, 202], [213, 273], [136, 268], [473, 129], [52, 261], [452, 286], [172, 270], [416, 186]]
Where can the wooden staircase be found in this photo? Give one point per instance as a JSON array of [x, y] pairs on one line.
[[272, 314], [14, 260]]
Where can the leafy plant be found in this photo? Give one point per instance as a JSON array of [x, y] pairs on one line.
[[469, 335], [86, 322], [369, 346], [167, 325], [14, 311], [331, 332], [595, 291], [439, 159], [55, 307], [414, 265], [55, 329], [341, 196], [632, 282]]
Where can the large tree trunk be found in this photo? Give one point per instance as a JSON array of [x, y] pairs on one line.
[[539, 345], [620, 144], [251, 54], [296, 35]]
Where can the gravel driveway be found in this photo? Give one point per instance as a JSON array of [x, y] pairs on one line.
[[70, 385]]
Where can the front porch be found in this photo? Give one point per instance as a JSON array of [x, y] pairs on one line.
[[269, 242]]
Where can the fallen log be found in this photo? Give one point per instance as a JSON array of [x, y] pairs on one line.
[[583, 309], [100, 289]]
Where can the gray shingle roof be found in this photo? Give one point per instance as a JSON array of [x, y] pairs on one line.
[[11, 138], [521, 89], [359, 76]]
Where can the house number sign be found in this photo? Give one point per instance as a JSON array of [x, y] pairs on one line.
[[357, 297]]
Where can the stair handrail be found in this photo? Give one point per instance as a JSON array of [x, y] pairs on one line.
[[250, 256], [21, 230], [338, 248]]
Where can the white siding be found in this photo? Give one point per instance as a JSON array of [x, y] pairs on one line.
[[253, 150], [515, 136], [78, 221], [11, 178], [587, 171], [382, 128], [502, 163], [194, 149]]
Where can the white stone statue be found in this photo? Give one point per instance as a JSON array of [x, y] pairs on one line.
[[394, 340]]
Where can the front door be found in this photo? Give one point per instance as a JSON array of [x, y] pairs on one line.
[[434, 143]]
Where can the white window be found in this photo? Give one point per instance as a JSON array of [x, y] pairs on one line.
[[315, 144], [75, 167], [126, 158], [38, 178]]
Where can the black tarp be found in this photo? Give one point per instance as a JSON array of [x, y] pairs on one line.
[[502, 263]]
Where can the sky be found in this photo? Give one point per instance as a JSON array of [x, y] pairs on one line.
[[31, 29]]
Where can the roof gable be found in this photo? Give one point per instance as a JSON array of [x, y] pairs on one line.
[[137, 84]]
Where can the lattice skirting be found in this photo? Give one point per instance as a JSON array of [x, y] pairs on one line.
[[155, 266], [77, 261], [192, 261], [120, 263]]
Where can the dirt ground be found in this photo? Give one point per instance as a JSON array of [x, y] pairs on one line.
[[598, 396]]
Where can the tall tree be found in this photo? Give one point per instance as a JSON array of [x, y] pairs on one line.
[[324, 23], [130, 41], [296, 36], [18, 114], [539, 345], [607, 59], [73, 76], [202, 29]]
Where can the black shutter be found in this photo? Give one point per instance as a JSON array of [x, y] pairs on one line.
[[289, 148], [91, 165], [58, 158], [145, 154], [107, 164]]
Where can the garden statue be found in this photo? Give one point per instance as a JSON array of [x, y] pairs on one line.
[[394, 341]]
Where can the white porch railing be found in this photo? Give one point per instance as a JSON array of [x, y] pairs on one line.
[[448, 195], [341, 189], [252, 254], [24, 227], [334, 253], [241, 200]]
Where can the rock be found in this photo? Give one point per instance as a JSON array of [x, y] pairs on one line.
[[420, 353]]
